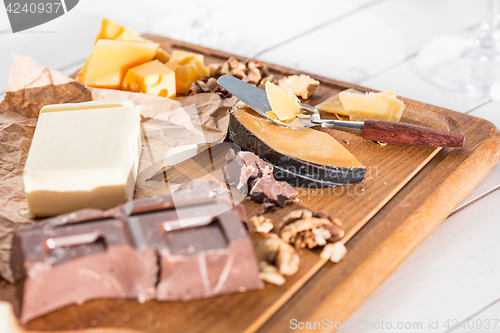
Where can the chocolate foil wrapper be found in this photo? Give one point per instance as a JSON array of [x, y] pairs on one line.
[[171, 129]]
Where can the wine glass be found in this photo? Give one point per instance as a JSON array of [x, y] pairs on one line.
[[468, 63]]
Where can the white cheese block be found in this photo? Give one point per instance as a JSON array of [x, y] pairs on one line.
[[83, 155]]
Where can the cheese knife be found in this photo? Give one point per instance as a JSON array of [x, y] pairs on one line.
[[377, 130]]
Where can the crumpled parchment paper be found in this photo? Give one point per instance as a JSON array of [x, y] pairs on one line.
[[172, 129]]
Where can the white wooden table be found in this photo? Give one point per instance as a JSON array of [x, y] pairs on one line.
[[454, 275]]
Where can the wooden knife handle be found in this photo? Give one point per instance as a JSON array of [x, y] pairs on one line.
[[409, 134]]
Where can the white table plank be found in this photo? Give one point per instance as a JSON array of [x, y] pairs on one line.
[[453, 274], [66, 40], [359, 46], [406, 80], [289, 20], [69, 39], [486, 320], [489, 112]]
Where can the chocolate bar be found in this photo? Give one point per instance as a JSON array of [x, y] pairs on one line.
[[188, 245]]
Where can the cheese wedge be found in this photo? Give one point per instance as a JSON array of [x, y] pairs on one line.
[[162, 55], [188, 67], [110, 60], [305, 144], [82, 155], [371, 106], [334, 105], [113, 31], [152, 78], [284, 104]]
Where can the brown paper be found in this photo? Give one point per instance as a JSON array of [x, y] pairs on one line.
[[172, 129]]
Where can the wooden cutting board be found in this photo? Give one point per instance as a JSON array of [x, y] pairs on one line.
[[407, 192]]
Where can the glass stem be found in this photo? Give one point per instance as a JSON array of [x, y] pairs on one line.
[[490, 27]]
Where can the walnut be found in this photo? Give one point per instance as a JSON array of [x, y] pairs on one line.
[[251, 64], [334, 252], [260, 223], [300, 85], [321, 235], [305, 229], [252, 71], [214, 69], [270, 274], [270, 78], [311, 238], [236, 68], [208, 85], [294, 216], [272, 249], [253, 76]]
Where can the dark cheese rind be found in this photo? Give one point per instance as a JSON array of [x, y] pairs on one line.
[[305, 174]]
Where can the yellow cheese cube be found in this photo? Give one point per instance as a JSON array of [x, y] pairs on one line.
[[110, 60], [152, 78], [371, 106], [113, 31], [284, 104], [188, 67], [162, 55]]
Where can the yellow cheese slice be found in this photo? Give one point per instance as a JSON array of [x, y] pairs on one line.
[[110, 60], [371, 106], [82, 155], [284, 104], [152, 78], [389, 93], [334, 105], [304, 144], [188, 67]]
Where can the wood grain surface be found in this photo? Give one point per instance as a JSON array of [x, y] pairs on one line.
[[409, 191]]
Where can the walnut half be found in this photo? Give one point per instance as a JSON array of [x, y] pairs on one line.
[[300, 85], [259, 223], [305, 229], [334, 252], [270, 274], [272, 249]]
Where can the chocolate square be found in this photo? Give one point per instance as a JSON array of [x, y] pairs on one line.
[[57, 265], [204, 251]]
